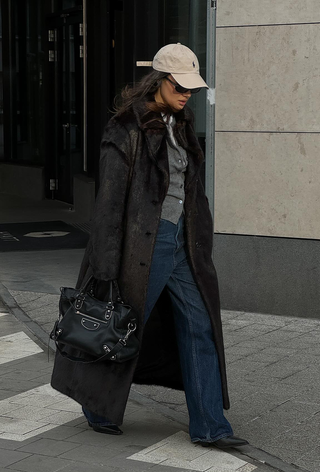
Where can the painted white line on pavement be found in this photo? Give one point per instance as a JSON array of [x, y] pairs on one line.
[[16, 346], [177, 451], [30, 413]]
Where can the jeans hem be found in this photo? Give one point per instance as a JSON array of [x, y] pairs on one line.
[[102, 424], [210, 440]]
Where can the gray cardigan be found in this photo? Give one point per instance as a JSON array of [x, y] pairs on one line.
[[172, 206]]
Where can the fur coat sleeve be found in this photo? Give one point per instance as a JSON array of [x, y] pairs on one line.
[[107, 225]]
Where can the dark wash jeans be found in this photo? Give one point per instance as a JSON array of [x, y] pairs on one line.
[[198, 357]]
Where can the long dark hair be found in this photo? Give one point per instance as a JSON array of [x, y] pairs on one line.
[[144, 90]]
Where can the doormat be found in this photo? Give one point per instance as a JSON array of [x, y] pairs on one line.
[[41, 236]]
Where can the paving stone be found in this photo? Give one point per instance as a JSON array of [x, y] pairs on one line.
[[294, 439], [61, 417], [166, 468], [37, 463], [14, 445], [121, 463], [259, 404], [39, 361], [305, 359], [254, 330], [10, 425], [22, 375], [47, 327], [134, 406], [22, 296], [259, 433], [147, 416], [16, 346], [62, 432], [237, 322], [284, 337], [76, 466], [296, 408], [306, 395], [272, 354], [91, 455], [310, 461], [176, 451], [303, 340], [302, 328], [145, 434], [10, 457], [266, 319], [182, 408], [240, 352], [35, 301], [4, 470], [246, 365], [283, 368], [310, 375], [66, 405], [80, 422], [240, 390], [48, 447], [6, 393], [91, 438], [228, 314], [173, 397]]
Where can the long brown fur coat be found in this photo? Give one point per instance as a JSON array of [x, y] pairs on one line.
[[124, 228]]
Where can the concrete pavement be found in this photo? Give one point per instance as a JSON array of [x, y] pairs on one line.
[[43, 431], [273, 363]]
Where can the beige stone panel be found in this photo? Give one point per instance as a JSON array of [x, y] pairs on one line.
[[264, 12], [268, 184], [268, 78]]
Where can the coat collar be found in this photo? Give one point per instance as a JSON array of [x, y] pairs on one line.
[[149, 120], [155, 131]]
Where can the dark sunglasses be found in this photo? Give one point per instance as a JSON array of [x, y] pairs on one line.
[[181, 89]]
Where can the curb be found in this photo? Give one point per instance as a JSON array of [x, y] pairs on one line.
[[252, 452]]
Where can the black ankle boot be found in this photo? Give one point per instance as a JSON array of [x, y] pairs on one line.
[[107, 429], [225, 443]]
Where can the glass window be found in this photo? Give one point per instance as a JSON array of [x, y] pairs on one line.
[[24, 112], [66, 4], [162, 22]]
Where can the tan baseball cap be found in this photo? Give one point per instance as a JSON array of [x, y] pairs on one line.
[[181, 63]]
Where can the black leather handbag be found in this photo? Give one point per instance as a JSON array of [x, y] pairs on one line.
[[104, 330]]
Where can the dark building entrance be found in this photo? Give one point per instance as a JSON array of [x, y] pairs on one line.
[[65, 100], [62, 64]]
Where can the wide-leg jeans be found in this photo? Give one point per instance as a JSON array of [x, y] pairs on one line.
[[198, 357]]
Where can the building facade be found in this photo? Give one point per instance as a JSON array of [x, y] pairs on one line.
[[267, 212]]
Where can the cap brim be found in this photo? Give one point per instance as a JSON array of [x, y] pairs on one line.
[[189, 81]]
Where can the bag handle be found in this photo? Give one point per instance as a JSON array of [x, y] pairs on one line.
[[110, 355], [92, 281]]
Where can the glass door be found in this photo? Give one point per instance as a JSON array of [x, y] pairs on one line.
[[65, 93]]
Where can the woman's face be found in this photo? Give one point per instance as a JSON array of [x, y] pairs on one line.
[[168, 95]]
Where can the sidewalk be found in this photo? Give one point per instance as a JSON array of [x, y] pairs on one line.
[[43, 431], [273, 370]]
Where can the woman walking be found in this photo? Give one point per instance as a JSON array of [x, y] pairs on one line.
[[152, 232]]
